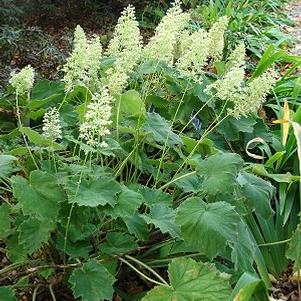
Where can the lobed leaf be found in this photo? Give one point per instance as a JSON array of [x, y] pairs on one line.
[[92, 282], [207, 227], [191, 281]]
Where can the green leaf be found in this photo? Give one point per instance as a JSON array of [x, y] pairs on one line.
[[132, 103], [160, 129], [163, 218], [92, 282], [294, 250], [39, 140], [46, 92], [247, 286], [4, 221], [231, 127], [78, 249], [152, 196], [243, 250], [7, 165], [128, 202], [191, 183], [40, 196], [191, 281], [258, 193], [219, 173], [16, 251], [118, 243], [7, 294], [137, 226], [33, 233], [96, 192], [207, 227], [205, 147]]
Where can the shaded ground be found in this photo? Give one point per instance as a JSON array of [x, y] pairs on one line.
[[41, 34]]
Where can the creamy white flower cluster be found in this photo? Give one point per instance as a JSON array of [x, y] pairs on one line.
[[97, 119], [194, 50], [162, 45], [227, 87], [246, 98], [231, 84], [237, 57], [126, 48], [216, 36], [22, 82], [254, 95], [82, 66], [51, 125]]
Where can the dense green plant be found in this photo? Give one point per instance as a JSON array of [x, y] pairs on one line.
[[128, 163], [257, 23]]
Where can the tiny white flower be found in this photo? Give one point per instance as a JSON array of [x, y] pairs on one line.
[[22, 81], [237, 57], [51, 125], [126, 48], [216, 36], [82, 66], [254, 95], [194, 53], [229, 85], [97, 119], [162, 45]]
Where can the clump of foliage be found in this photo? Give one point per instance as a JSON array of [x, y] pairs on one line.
[[128, 163]]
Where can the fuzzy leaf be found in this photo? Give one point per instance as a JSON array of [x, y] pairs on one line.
[[16, 251], [243, 250], [207, 227], [92, 282], [163, 218], [33, 233], [258, 193], [128, 201], [294, 251], [219, 173], [97, 192], [191, 183], [4, 221], [7, 294], [137, 226], [40, 196], [191, 281], [232, 127], [152, 196], [7, 165], [117, 243], [37, 139], [160, 129]]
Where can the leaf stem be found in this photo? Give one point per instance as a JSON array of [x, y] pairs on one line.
[[52, 292], [140, 273], [20, 126], [147, 267], [275, 243], [177, 179]]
